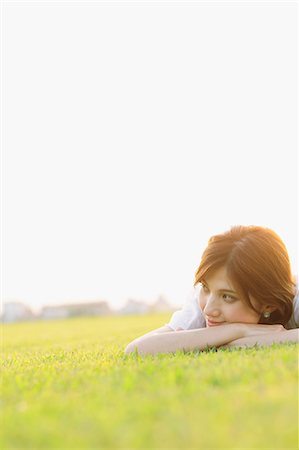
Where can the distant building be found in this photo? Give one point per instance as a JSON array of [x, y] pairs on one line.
[[161, 305], [54, 312], [75, 309], [16, 311], [134, 307]]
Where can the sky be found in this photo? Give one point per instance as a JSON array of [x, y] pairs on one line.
[[133, 132]]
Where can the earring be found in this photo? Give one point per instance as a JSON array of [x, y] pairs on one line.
[[266, 314]]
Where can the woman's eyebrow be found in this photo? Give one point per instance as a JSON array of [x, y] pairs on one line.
[[227, 290], [221, 290]]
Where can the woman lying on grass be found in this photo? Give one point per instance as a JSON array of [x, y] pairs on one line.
[[244, 294]]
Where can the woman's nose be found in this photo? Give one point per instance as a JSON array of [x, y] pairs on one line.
[[212, 305]]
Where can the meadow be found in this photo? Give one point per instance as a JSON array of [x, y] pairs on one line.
[[68, 384]]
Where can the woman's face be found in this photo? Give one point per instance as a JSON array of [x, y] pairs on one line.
[[221, 304]]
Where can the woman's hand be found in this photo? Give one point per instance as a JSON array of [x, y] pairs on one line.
[[252, 329], [278, 336]]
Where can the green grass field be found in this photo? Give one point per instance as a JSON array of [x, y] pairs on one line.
[[68, 384]]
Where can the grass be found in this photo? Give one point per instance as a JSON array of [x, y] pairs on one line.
[[68, 384]]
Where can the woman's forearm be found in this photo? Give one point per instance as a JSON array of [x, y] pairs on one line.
[[187, 340], [266, 339]]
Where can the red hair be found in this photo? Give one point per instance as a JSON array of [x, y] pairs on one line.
[[257, 264]]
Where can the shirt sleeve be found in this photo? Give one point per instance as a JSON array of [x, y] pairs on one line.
[[294, 320], [190, 316]]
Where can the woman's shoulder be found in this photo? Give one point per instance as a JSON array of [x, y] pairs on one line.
[[190, 316]]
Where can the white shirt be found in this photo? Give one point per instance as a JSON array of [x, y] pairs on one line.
[[191, 316]]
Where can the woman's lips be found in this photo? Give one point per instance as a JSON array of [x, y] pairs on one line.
[[213, 324]]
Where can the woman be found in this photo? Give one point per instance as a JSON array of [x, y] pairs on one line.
[[244, 295]]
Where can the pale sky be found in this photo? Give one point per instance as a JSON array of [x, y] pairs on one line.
[[132, 133]]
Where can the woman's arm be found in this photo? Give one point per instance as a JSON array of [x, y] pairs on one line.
[[265, 339], [199, 338], [162, 341]]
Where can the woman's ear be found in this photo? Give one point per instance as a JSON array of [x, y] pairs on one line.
[[268, 309]]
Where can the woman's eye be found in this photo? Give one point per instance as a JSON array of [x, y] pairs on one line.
[[226, 297], [229, 297]]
